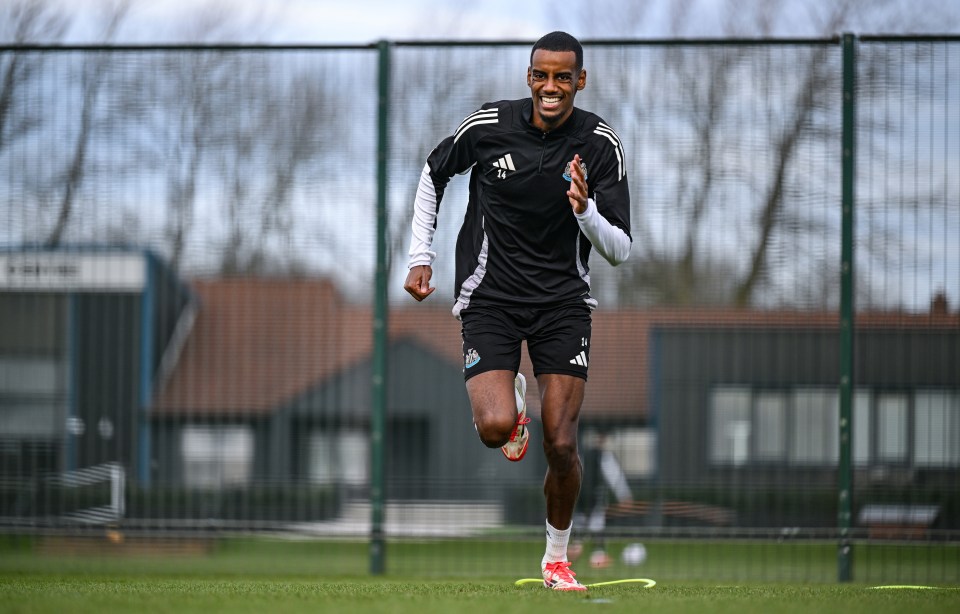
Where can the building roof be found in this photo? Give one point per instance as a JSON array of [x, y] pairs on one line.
[[257, 344]]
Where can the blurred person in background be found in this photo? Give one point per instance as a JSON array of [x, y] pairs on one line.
[[604, 483]]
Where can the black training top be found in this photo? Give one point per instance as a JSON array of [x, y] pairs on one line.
[[520, 242]]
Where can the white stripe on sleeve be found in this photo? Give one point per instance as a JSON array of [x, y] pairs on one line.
[[486, 116], [608, 133]]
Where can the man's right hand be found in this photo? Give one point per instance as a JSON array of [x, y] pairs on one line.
[[418, 282]]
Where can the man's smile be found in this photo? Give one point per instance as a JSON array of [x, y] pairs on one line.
[[550, 102]]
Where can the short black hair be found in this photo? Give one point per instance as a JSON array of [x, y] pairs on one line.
[[559, 41]]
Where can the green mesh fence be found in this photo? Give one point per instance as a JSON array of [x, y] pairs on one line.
[[187, 283]]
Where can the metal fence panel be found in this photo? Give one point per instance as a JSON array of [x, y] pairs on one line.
[[188, 279]]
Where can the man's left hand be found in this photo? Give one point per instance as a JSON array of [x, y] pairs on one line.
[[578, 187]]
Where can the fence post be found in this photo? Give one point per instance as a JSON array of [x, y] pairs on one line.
[[847, 313], [378, 396]]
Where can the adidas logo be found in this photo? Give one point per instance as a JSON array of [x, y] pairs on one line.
[[503, 165], [579, 359]]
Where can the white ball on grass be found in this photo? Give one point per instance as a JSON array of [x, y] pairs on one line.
[[634, 554]]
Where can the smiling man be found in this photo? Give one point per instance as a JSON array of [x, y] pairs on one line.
[[548, 185]]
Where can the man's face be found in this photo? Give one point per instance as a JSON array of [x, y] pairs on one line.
[[554, 81]]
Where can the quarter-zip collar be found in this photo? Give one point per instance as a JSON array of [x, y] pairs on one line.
[[567, 127]]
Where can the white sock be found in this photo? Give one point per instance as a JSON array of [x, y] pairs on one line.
[[556, 545]]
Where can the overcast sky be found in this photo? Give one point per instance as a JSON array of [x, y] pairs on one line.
[[366, 21]]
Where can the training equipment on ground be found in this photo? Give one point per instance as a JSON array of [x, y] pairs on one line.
[[634, 554], [600, 560], [99, 491], [646, 582]]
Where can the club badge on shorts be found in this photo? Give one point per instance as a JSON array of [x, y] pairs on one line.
[[566, 170], [470, 358]]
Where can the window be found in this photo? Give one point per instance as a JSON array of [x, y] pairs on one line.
[[861, 428], [892, 428], [34, 367], [814, 432], [33, 397], [730, 426], [636, 449], [802, 427], [936, 429], [770, 443], [217, 456], [340, 456]]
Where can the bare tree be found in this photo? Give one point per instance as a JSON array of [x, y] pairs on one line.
[[716, 162], [228, 137], [175, 106], [289, 135], [25, 21], [92, 76], [784, 145]]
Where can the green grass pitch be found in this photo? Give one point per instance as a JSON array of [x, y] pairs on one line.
[[460, 577]]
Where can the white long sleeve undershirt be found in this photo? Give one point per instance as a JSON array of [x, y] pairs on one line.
[[610, 241], [424, 222]]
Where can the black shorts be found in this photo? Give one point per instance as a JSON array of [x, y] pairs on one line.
[[558, 338]]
